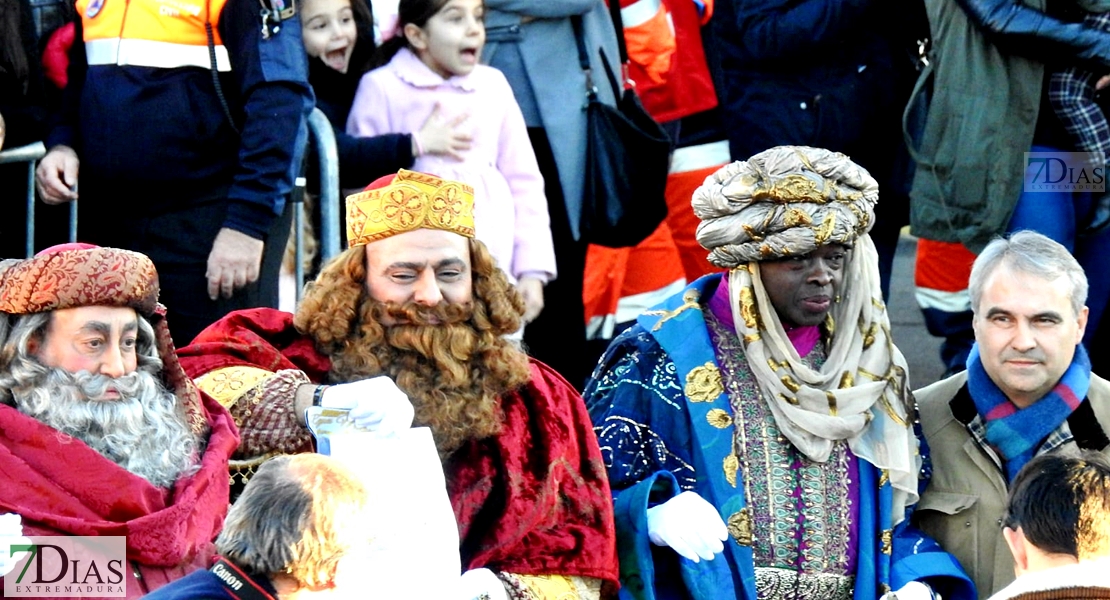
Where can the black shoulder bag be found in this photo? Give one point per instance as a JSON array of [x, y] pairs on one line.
[[627, 157]]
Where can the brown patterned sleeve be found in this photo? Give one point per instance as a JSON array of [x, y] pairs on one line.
[[262, 405]]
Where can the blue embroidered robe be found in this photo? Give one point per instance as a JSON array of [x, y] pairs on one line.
[[654, 400]]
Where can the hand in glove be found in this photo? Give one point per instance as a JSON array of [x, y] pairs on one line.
[[914, 590], [11, 533], [690, 525], [481, 583], [376, 404]]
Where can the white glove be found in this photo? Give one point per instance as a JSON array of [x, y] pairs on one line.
[[914, 590], [376, 404], [476, 582], [690, 525], [11, 533]]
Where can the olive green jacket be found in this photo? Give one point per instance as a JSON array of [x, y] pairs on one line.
[[983, 111], [963, 506]]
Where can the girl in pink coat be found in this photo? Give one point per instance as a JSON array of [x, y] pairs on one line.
[[433, 69]]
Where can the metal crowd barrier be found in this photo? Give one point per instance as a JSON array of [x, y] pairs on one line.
[[322, 135], [31, 154]]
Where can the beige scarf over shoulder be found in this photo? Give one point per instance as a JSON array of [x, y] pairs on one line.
[[788, 201]]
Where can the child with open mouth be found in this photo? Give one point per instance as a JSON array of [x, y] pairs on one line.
[[339, 40]]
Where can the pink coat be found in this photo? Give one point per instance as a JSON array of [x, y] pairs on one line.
[[510, 208]]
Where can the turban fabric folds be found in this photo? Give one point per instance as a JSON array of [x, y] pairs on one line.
[[786, 201]]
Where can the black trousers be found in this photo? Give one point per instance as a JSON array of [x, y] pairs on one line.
[[558, 336], [179, 241]]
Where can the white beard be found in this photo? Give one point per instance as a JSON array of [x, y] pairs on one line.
[[143, 431]]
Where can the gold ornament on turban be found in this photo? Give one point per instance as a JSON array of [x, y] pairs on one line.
[[786, 201], [407, 201]]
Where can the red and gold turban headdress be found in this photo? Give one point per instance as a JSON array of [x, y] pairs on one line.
[[72, 275], [407, 201], [76, 275]]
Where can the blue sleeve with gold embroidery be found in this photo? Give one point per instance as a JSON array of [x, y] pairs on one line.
[[269, 69], [638, 409], [637, 406]]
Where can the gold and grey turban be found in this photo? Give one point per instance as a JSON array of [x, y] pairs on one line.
[[785, 201]]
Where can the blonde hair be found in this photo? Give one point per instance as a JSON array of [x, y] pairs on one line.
[[298, 516]]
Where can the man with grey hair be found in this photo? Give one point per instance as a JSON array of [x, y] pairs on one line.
[[758, 427], [299, 528], [101, 432], [1028, 390]]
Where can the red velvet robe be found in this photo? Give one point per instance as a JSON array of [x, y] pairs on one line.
[[62, 486], [533, 500]]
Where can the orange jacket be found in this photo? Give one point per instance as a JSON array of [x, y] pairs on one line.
[[667, 60]]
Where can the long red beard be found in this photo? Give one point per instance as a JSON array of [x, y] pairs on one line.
[[453, 374]]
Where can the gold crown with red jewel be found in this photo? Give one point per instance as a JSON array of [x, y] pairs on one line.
[[407, 201]]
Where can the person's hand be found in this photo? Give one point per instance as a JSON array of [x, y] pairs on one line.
[[531, 289], [376, 404], [56, 175], [481, 583], [233, 263], [11, 533], [1102, 82], [914, 590], [690, 525], [442, 136]]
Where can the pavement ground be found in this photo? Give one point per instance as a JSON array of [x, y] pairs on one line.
[[922, 351]]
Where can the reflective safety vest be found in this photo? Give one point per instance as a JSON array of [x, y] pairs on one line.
[[152, 33], [666, 57]]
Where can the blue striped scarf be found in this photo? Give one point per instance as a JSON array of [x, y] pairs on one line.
[[1017, 432]]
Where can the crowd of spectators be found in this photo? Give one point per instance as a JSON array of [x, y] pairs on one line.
[[720, 411]]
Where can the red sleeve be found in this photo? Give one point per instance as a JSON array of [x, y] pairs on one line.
[[260, 337], [535, 499]]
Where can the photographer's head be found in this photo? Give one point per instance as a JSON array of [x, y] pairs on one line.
[[297, 522], [1059, 511]]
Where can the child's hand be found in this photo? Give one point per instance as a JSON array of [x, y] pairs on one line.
[[532, 291], [441, 136]]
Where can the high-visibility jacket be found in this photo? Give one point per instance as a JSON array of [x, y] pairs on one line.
[[165, 34], [620, 283], [666, 56], [145, 118]]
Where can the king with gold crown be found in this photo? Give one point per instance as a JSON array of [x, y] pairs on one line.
[[408, 325]]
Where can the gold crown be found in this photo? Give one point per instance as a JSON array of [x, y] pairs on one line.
[[411, 201]]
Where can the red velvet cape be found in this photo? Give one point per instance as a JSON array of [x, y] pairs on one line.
[[62, 486], [533, 500]]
